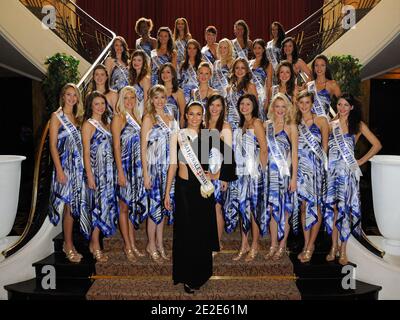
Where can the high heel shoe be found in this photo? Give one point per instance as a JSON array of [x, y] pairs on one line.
[[302, 253], [163, 254], [279, 254], [332, 254], [188, 289], [98, 255], [251, 255], [343, 259], [72, 255], [307, 255], [154, 255], [271, 252], [137, 252], [240, 254], [130, 255]]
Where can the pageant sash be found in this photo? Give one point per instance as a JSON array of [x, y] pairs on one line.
[[139, 47], [259, 86], [71, 130], [207, 188], [155, 59], [239, 51], [271, 55], [318, 106], [248, 152], [192, 75], [276, 153], [219, 75], [132, 122], [163, 125], [275, 91], [314, 145], [204, 52], [181, 47], [345, 151], [233, 98], [123, 70], [99, 127]]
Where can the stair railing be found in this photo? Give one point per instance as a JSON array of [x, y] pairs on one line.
[[73, 29]]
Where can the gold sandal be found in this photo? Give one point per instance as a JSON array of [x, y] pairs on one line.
[[163, 253], [240, 254], [99, 255], [137, 252], [332, 254], [307, 255], [72, 255], [154, 255], [271, 252], [130, 255], [279, 254], [343, 259], [301, 254], [251, 255]]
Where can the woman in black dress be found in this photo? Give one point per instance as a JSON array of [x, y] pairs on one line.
[[195, 227]]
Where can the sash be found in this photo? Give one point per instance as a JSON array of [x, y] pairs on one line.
[[192, 75], [318, 106], [259, 86], [131, 121], [207, 188], [347, 154], [71, 130], [314, 145], [240, 52], [276, 153], [122, 70], [303, 76], [99, 127], [204, 51], [163, 125], [219, 75], [155, 59], [233, 103], [271, 55], [180, 45]]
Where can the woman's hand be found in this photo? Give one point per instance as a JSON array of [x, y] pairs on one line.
[[293, 185], [121, 180], [91, 183], [167, 202], [61, 177], [147, 182]]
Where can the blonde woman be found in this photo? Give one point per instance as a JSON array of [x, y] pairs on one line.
[[67, 178], [281, 184], [157, 127], [204, 91], [125, 129], [223, 66]]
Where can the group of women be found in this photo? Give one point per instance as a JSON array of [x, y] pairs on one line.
[[237, 133]]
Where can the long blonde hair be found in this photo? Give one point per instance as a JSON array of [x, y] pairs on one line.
[[229, 59], [78, 109], [150, 109], [290, 114], [120, 107]]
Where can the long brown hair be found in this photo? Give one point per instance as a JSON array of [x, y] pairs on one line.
[[291, 84], [185, 64], [186, 30], [170, 44], [89, 106], [233, 80], [135, 78], [107, 84], [220, 122], [125, 53]]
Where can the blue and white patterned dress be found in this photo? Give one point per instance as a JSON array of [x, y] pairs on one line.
[[208, 55], [188, 82], [69, 147], [325, 98], [238, 51], [158, 154], [245, 196], [279, 200], [156, 63], [145, 46], [220, 78], [181, 49], [232, 99], [110, 110], [343, 192], [197, 97], [172, 108], [311, 177], [140, 98], [134, 194], [100, 207], [119, 77], [259, 79]]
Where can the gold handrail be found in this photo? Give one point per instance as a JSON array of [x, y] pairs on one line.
[[34, 191], [364, 236]]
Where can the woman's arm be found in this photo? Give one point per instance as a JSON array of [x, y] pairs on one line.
[[174, 60], [87, 133], [109, 66], [334, 89], [146, 85], [305, 68], [262, 141], [180, 98], [116, 127], [323, 125], [54, 127], [294, 138], [252, 89], [173, 166], [372, 139], [144, 132]]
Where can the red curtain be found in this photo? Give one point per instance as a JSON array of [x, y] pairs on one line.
[[121, 15]]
